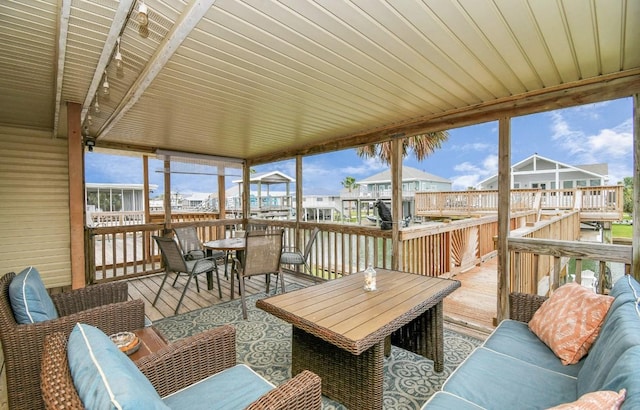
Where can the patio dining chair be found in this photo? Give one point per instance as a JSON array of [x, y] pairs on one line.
[[293, 256], [261, 257], [192, 246], [175, 262]]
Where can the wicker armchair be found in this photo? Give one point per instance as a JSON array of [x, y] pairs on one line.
[[22, 344], [178, 366], [522, 306]]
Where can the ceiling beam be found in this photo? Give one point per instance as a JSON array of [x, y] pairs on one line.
[[63, 31], [603, 88], [172, 41]]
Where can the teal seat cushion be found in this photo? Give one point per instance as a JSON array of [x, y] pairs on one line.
[[513, 338], [496, 381], [447, 401], [232, 389], [623, 374], [626, 286], [104, 377], [620, 332], [30, 300]]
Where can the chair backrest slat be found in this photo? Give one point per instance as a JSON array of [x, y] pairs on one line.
[[262, 252], [188, 238], [171, 253], [312, 238]]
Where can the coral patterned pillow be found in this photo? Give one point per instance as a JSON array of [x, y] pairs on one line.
[[569, 321], [597, 400]]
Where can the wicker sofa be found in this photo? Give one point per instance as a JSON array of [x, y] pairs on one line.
[[106, 306], [513, 368], [193, 373]]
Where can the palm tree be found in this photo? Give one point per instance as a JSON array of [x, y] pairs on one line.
[[422, 146], [349, 183]]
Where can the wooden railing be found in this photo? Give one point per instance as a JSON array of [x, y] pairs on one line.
[[435, 249], [540, 255], [118, 252], [102, 219], [606, 200]]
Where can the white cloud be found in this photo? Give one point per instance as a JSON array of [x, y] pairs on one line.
[[475, 146], [466, 167], [463, 182], [366, 168], [471, 174], [605, 146]]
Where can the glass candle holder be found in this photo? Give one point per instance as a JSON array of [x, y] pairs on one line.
[[370, 279]]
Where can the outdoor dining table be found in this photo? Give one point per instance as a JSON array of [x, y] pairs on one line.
[[227, 245], [340, 331]]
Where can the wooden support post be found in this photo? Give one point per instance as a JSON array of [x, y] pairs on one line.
[[504, 207], [145, 193], [167, 193], [75, 151], [636, 187], [222, 201], [246, 193], [396, 201], [299, 194]]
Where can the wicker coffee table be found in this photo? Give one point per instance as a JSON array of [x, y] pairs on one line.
[[339, 330]]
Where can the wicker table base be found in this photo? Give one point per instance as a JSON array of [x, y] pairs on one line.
[[424, 335], [355, 381]]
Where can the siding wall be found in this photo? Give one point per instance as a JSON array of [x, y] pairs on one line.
[[34, 205]]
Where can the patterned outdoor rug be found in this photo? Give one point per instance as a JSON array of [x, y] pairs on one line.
[[264, 343]]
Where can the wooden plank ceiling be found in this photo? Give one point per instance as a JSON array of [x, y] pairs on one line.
[[264, 80]]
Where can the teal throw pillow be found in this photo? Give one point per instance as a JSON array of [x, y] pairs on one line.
[[29, 298], [104, 377]]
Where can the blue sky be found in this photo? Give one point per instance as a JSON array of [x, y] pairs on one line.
[[588, 134]]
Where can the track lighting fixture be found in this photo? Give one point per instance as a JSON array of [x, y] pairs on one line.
[[143, 19], [105, 84], [96, 105], [89, 120], [143, 14], [118, 58]]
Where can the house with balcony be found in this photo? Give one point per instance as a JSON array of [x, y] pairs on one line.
[[538, 172], [378, 186]]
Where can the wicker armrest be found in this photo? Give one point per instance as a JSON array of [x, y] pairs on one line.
[[58, 390], [522, 306], [27, 341], [89, 297], [302, 392], [190, 360]]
